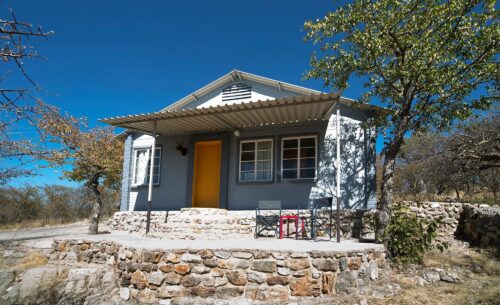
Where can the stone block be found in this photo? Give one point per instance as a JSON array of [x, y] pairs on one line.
[[264, 266], [305, 287], [278, 280], [139, 280], [237, 277]]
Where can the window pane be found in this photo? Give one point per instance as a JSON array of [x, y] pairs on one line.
[[246, 176], [264, 155], [289, 174], [248, 146], [263, 175], [141, 166], [307, 173], [307, 142], [265, 145], [307, 153], [290, 154], [289, 164], [248, 156], [247, 166], [264, 165], [292, 143], [308, 163]]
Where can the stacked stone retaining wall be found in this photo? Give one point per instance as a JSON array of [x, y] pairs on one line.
[[153, 275], [480, 224]]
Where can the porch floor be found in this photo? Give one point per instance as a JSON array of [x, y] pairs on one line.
[[138, 241]]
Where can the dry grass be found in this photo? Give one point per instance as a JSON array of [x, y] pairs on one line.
[[480, 281], [34, 223], [32, 259]]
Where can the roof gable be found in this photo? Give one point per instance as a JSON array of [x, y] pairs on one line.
[[236, 87]]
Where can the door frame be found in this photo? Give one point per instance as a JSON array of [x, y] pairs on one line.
[[223, 189]]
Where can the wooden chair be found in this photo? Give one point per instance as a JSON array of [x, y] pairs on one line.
[[267, 222]]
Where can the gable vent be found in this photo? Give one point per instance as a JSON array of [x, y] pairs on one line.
[[237, 91]]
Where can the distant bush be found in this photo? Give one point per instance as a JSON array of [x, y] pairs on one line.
[[408, 237], [33, 206]]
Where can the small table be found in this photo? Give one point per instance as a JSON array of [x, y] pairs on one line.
[[296, 218]]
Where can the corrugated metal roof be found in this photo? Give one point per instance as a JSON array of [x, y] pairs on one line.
[[290, 110]]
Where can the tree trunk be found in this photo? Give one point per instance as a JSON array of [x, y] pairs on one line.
[[386, 190], [96, 209]]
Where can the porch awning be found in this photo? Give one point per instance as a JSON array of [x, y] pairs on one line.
[[291, 110]]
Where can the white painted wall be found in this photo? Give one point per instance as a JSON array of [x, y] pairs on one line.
[[259, 92]]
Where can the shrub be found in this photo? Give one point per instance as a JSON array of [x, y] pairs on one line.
[[408, 237]]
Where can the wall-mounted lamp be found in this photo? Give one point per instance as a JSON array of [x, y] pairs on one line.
[[182, 149], [236, 132]]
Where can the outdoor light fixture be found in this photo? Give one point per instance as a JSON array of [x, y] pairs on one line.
[[236, 132], [182, 149]]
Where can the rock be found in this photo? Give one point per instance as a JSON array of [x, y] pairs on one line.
[[125, 293], [274, 293], [256, 277], [373, 270], [238, 277], [315, 274], [283, 271], [325, 264], [228, 292], [239, 263], [200, 269], [432, 276], [353, 263], [191, 280], [223, 264], [182, 269], [304, 287], [206, 253], [125, 279], [139, 280], [278, 280], [152, 257], [6, 279], [301, 273], [222, 254], [328, 283], [378, 293], [172, 278], [346, 282], [155, 278], [220, 281], [298, 263], [299, 255], [146, 267], [343, 263], [191, 258], [172, 258], [450, 277], [166, 268], [146, 296], [201, 291], [243, 255], [166, 291], [264, 266], [210, 262]]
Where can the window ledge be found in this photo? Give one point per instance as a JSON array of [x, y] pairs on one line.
[[299, 180], [254, 182], [142, 185]]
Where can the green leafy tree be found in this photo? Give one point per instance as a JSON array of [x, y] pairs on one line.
[[425, 61], [94, 156]]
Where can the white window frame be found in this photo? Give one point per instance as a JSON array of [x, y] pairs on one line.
[[136, 150], [298, 156], [255, 160]]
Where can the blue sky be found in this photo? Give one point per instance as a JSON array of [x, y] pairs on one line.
[[110, 58]]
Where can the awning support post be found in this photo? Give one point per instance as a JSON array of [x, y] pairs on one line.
[[337, 161], [150, 184]]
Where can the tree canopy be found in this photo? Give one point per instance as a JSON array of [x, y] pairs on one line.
[[94, 156], [428, 62]]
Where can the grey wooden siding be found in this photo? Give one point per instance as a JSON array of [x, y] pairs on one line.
[[357, 158]]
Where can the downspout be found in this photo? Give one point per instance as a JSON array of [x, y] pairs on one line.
[[337, 161], [151, 172]]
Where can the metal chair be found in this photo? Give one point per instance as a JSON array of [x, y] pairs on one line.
[[267, 222], [321, 216]]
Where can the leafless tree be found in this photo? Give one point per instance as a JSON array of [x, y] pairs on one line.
[[17, 95]]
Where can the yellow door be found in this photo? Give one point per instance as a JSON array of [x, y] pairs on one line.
[[206, 177]]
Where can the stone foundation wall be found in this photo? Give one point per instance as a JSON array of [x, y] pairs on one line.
[[150, 276], [191, 223], [480, 224]]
